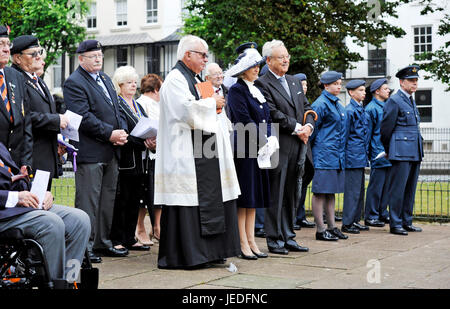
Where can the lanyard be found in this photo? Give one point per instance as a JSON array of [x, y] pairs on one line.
[[136, 111]]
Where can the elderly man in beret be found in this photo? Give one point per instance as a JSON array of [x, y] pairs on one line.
[[15, 122], [90, 93], [376, 213], [402, 141], [46, 118]]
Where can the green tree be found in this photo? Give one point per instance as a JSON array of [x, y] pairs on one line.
[[58, 24], [313, 31]]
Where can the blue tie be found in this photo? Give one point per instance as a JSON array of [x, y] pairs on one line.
[[100, 83], [284, 83]]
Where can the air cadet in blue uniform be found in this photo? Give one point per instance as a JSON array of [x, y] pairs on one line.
[[327, 143], [355, 158], [401, 138], [376, 213]]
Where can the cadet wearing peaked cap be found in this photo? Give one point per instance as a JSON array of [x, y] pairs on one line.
[[376, 213], [400, 135]]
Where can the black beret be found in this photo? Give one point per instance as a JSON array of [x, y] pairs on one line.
[[244, 46], [23, 42], [4, 31], [408, 72], [89, 45]]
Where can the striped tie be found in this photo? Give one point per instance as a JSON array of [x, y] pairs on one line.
[[4, 93]]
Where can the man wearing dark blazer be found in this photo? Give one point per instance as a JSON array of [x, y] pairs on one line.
[[15, 121], [288, 105], [46, 119], [90, 93]]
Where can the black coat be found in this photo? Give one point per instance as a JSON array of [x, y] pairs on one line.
[[46, 125], [17, 136], [83, 96]]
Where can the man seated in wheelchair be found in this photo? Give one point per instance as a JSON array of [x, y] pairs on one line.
[[63, 232]]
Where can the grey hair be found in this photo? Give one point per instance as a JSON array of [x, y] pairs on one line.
[[187, 43], [269, 46], [122, 75], [208, 68]]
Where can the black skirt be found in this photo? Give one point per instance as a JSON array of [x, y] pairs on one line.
[[181, 244]]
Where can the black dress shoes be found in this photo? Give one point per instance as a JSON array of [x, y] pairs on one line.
[[336, 232], [398, 231], [260, 233], [297, 227], [94, 258], [374, 222], [325, 235], [350, 229], [248, 257], [260, 255], [296, 247], [113, 252], [360, 226], [385, 220], [278, 250], [337, 218], [139, 248], [306, 223], [412, 228]]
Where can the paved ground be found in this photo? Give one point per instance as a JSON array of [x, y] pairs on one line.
[[374, 260]]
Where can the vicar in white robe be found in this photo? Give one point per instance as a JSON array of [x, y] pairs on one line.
[[195, 177]]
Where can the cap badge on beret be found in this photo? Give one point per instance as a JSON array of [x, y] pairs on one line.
[[414, 70]]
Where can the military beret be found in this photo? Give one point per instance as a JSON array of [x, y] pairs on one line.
[[330, 77], [410, 71], [353, 84], [4, 31], [377, 84], [89, 45], [244, 46], [23, 42], [300, 76]]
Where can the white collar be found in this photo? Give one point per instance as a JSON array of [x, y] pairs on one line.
[[276, 75]]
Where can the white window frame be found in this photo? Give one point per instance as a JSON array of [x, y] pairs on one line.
[[152, 11], [92, 16], [423, 46], [121, 13]]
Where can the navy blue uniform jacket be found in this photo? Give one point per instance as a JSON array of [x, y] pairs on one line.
[[357, 138]]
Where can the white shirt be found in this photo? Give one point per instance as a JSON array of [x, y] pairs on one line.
[[151, 108], [180, 112]]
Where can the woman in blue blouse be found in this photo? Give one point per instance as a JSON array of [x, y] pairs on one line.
[[327, 145]]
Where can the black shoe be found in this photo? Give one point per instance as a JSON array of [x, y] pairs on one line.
[[296, 247], [248, 257], [306, 223], [113, 252], [412, 228], [337, 218], [94, 258], [360, 226], [336, 232], [398, 231], [297, 227], [385, 220], [325, 235], [139, 248], [260, 233], [279, 250], [260, 255], [374, 222], [350, 229]]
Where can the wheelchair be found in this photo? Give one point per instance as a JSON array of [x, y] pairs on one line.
[[23, 266]]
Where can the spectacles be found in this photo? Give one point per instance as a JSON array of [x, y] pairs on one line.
[[6, 44], [281, 58], [94, 56], [35, 53], [204, 55], [216, 75]]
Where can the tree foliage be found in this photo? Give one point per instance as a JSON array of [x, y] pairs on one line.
[[58, 24], [313, 31]]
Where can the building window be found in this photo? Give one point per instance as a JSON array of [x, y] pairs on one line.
[[92, 16], [152, 11], [422, 40], [376, 60], [121, 12], [121, 56], [57, 68], [423, 102]]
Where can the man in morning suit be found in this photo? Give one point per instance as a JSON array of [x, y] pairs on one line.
[[46, 119], [90, 93], [15, 121], [287, 104], [402, 141]]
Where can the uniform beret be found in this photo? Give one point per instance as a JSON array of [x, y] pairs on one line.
[[300, 76], [89, 45], [264, 70], [353, 84], [330, 77], [410, 71], [4, 31], [240, 49], [23, 42], [377, 84]]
